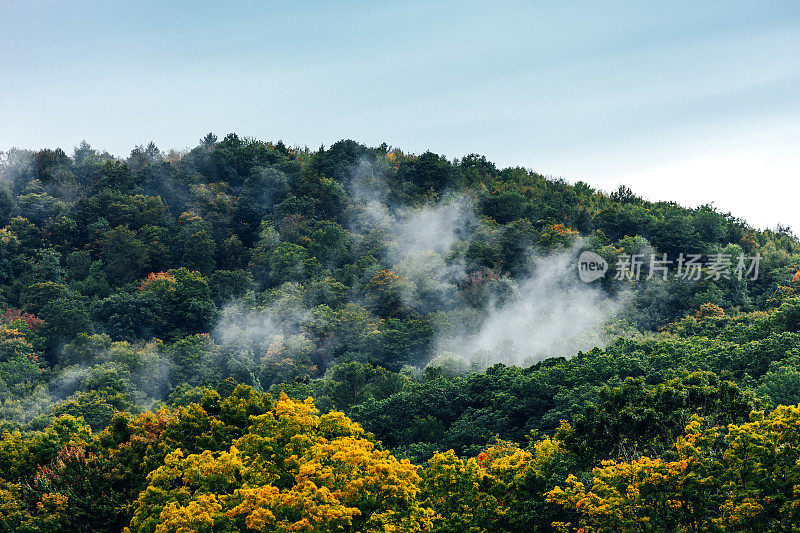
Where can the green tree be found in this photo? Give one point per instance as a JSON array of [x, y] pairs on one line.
[[124, 255]]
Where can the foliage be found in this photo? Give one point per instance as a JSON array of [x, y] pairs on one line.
[[147, 302]]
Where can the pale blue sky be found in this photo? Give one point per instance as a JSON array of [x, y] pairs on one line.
[[695, 102]]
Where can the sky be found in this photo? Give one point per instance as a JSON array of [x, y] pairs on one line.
[[696, 102]]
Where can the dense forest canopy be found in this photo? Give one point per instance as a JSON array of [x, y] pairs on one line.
[[166, 320]]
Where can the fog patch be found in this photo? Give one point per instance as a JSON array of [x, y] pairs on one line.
[[550, 314]]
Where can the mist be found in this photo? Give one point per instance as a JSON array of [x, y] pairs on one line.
[[545, 311], [549, 313]]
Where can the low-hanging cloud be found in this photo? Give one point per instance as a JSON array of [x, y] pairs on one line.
[[551, 314]]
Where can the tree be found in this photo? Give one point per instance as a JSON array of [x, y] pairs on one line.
[[330, 245], [292, 470], [20, 349], [37, 205], [632, 418], [388, 293], [504, 206], [198, 252], [63, 311], [463, 495], [124, 255], [183, 301], [128, 316], [114, 175], [290, 262], [194, 361], [427, 172], [742, 477], [340, 160]]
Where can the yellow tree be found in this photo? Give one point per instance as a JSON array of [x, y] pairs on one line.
[[292, 471], [649, 494], [761, 476], [740, 478], [463, 495], [502, 489]]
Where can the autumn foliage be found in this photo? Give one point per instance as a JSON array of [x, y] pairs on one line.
[[293, 470], [157, 282], [709, 310], [165, 316]]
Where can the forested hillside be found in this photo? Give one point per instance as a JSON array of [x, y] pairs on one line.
[[248, 336]]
